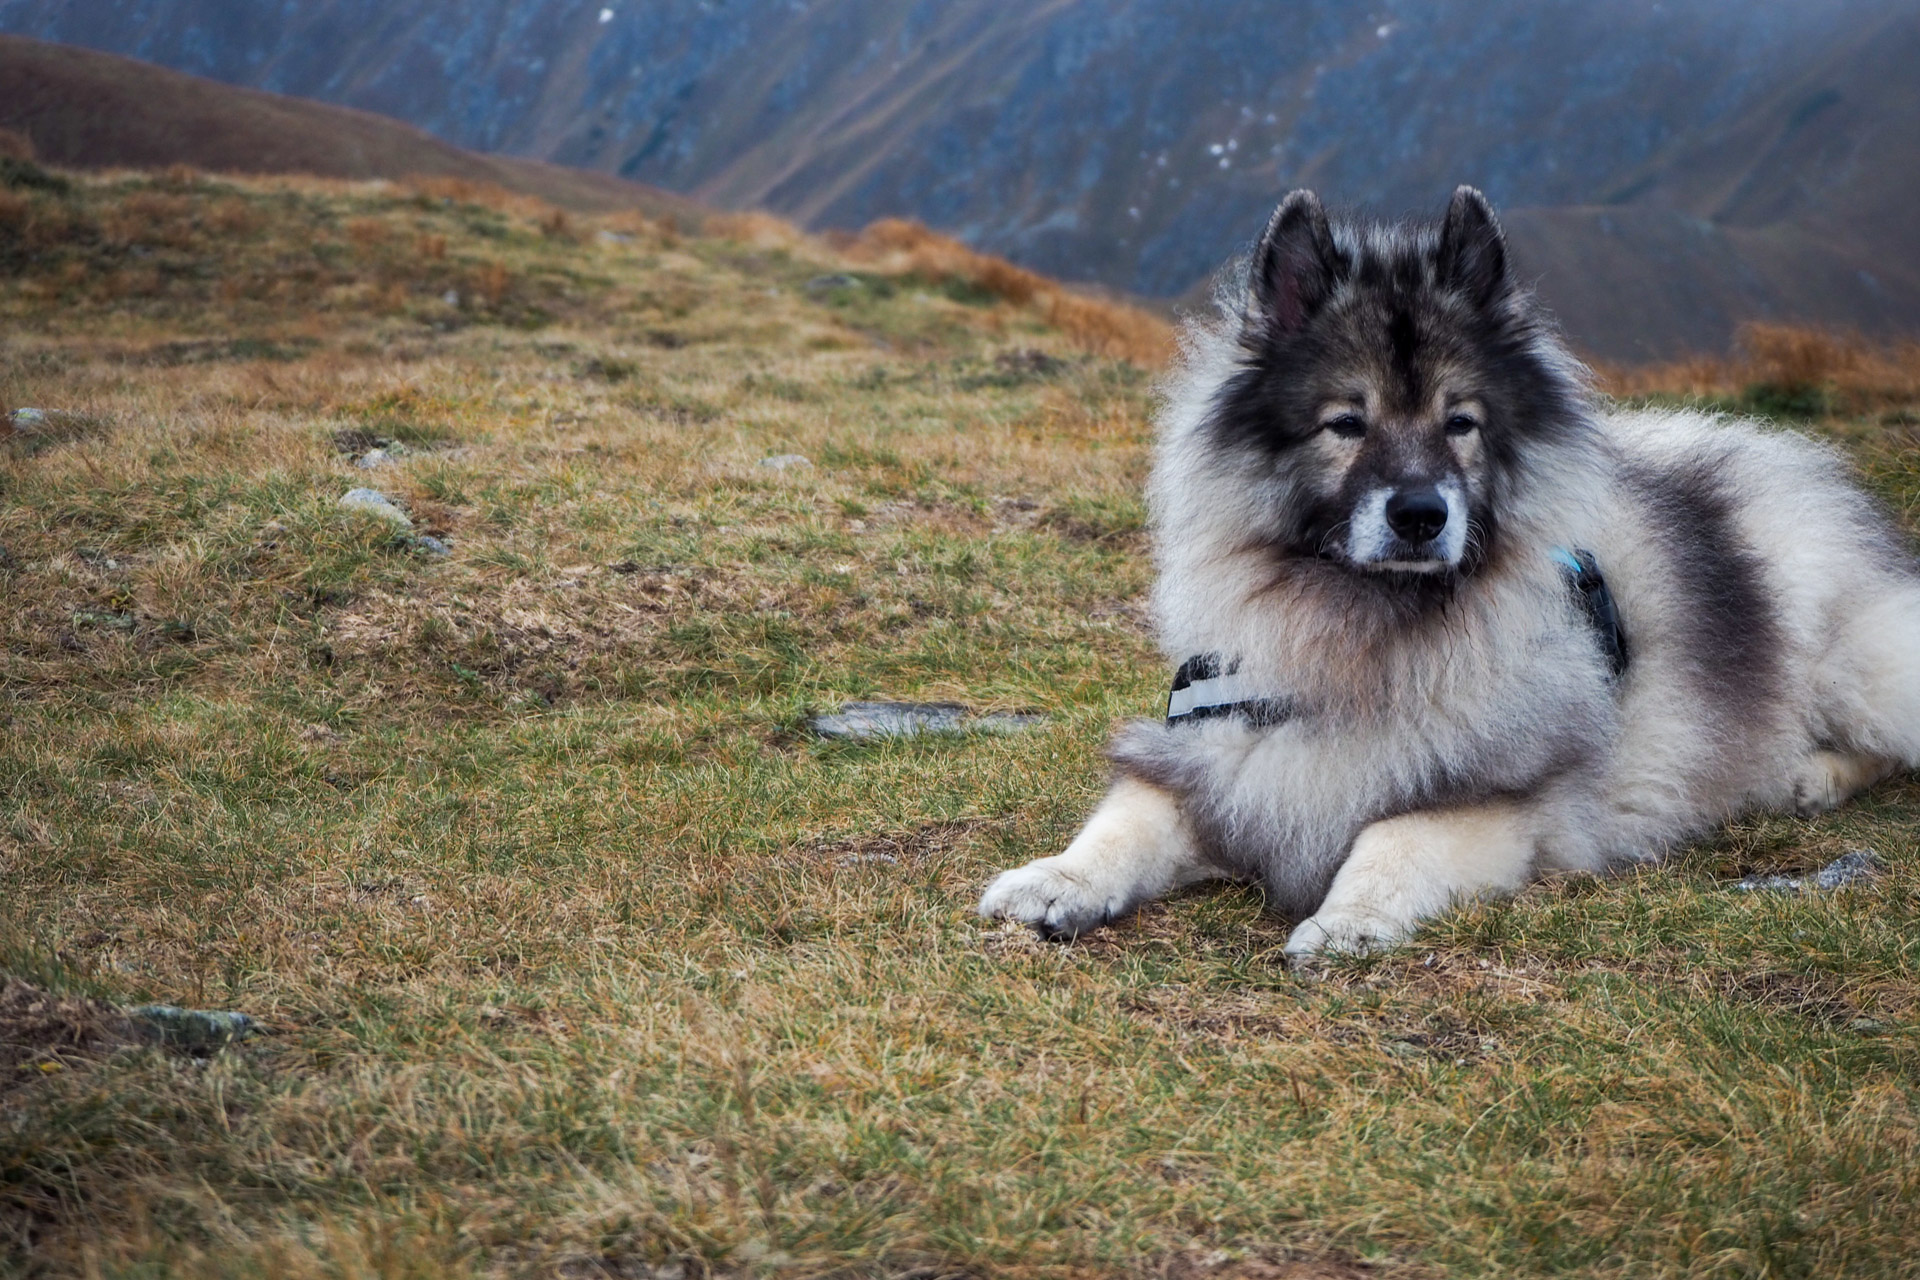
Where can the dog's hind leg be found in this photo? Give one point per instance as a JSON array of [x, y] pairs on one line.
[[1828, 779], [1136, 847], [1868, 685], [1403, 870]]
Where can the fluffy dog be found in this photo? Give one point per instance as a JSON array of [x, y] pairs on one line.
[[1446, 622]]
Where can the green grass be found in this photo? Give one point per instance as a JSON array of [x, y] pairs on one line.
[[579, 957]]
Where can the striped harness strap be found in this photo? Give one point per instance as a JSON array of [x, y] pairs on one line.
[[1207, 686]]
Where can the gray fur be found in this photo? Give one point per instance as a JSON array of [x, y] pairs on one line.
[[1774, 631]]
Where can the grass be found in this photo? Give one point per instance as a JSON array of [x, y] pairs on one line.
[[578, 956]]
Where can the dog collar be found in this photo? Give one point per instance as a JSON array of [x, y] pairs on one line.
[[1208, 686]]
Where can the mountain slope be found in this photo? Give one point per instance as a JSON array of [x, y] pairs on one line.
[[85, 109], [1735, 160]]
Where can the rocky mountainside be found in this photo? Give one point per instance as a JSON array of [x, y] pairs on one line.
[[83, 109], [1726, 159]]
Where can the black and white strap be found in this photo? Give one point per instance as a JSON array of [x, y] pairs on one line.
[[1208, 686], [1205, 687]]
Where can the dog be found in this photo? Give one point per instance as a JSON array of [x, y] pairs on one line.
[[1446, 621]]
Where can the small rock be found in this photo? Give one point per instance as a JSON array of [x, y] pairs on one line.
[[862, 720], [451, 297], [614, 237], [786, 461], [867, 860], [431, 545], [1849, 868], [1857, 864], [832, 282], [868, 720], [196, 1030], [109, 619], [1867, 1026], [375, 503], [1008, 722], [373, 458], [28, 420]]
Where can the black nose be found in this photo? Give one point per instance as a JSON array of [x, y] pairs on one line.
[[1418, 515]]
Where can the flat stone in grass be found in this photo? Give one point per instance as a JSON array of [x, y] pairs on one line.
[[1849, 868], [375, 503], [195, 1030], [862, 721], [785, 462]]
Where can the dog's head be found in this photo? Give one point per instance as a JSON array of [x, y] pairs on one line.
[[1396, 378]]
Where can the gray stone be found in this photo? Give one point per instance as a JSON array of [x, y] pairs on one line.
[[196, 1030], [373, 458], [868, 860], [375, 503], [106, 619], [1849, 868], [786, 461], [863, 721], [833, 282], [28, 420], [1007, 722], [431, 545]]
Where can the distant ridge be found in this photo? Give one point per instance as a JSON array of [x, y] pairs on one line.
[[89, 110], [1666, 172]]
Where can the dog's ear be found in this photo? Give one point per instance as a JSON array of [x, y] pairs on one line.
[[1296, 265], [1473, 252]]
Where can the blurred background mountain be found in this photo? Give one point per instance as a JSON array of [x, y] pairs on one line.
[[1667, 170]]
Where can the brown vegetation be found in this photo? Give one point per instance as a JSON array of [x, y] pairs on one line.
[[578, 955], [1099, 325], [1783, 363]]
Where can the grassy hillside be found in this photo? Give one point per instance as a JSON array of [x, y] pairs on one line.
[[93, 110], [1673, 169], [579, 955]]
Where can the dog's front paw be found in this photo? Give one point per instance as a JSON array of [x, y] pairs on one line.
[[1057, 902], [1342, 933]]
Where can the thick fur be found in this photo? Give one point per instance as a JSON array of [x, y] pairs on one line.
[[1459, 730]]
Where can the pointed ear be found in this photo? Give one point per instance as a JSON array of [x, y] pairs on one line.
[[1296, 265], [1473, 253]]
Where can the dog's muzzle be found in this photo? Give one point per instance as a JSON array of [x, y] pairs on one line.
[[1416, 528]]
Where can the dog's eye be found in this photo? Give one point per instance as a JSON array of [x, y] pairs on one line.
[[1348, 426], [1461, 423]]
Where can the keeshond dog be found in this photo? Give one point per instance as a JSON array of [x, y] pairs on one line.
[[1445, 621]]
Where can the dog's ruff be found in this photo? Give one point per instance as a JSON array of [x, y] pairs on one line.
[[1366, 463]]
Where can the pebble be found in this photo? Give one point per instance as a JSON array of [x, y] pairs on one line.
[[1849, 868], [199, 1030], [863, 721], [786, 461], [373, 458], [375, 503], [868, 859], [431, 545], [28, 420], [832, 282]]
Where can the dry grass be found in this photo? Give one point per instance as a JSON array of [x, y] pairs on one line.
[[1101, 326], [579, 956], [1782, 366]]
